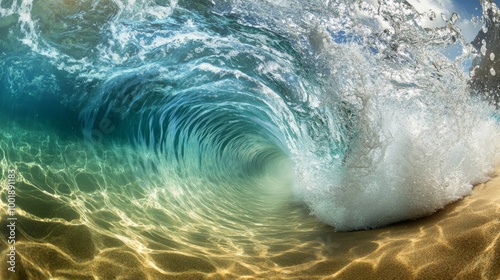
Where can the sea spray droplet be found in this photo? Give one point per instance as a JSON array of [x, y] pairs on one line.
[[493, 72], [484, 28], [432, 15], [492, 56], [483, 47], [443, 17], [454, 17]]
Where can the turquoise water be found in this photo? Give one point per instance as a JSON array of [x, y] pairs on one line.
[[218, 128]]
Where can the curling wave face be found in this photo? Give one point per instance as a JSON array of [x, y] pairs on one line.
[[228, 118]]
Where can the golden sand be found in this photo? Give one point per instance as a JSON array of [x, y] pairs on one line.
[[461, 241]]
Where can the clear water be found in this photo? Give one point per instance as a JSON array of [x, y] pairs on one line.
[[216, 129]]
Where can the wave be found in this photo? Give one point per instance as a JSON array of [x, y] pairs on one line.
[[350, 109]]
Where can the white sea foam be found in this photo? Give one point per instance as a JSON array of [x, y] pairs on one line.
[[424, 164], [416, 146]]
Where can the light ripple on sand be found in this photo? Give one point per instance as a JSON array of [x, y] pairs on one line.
[[461, 241]]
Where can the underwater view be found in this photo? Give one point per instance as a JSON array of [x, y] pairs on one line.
[[207, 139]]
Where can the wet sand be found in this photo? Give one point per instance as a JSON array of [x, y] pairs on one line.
[[461, 241]]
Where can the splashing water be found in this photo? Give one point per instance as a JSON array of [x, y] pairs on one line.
[[215, 128]]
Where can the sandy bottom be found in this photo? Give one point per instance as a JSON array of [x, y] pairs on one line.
[[461, 241]]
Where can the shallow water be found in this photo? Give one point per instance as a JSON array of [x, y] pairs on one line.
[[174, 139]]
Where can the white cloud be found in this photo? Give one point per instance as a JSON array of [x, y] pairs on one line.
[[469, 29], [435, 5]]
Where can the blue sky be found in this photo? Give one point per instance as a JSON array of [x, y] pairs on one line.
[[469, 6]]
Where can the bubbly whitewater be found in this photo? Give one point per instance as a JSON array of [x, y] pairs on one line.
[[217, 128]]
